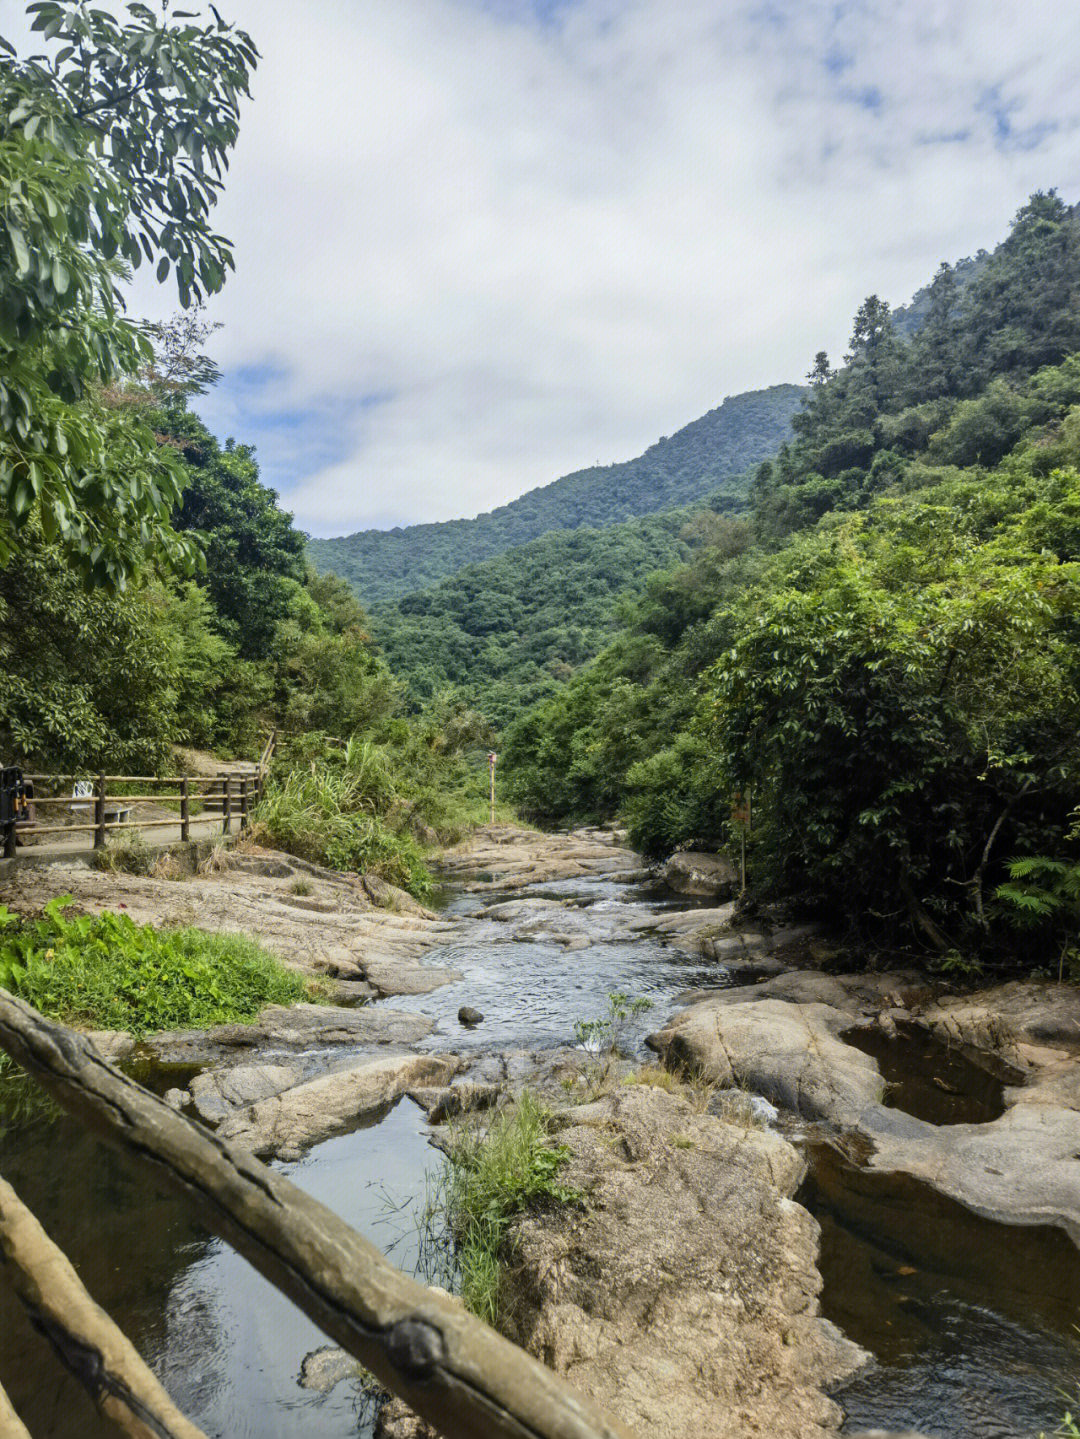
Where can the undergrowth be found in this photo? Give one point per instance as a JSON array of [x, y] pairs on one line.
[[492, 1178], [107, 972], [329, 816]]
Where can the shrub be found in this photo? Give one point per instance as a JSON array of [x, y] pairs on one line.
[[328, 816], [110, 973]]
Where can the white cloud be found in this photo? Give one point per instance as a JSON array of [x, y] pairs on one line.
[[542, 243]]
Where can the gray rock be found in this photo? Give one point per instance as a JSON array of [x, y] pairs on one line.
[[469, 1017], [218, 1092], [300, 1026], [112, 1044], [287, 1123], [177, 1098], [324, 1369], [441, 1104], [694, 872]]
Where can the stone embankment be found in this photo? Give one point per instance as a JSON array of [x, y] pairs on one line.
[[786, 1037]]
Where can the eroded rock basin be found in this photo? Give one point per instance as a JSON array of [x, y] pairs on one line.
[[970, 1321]]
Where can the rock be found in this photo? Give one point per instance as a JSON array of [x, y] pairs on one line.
[[1018, 1169], [694, 872], [286, 1123], [395, 974], [217, 1092], [176, 1098], [112, 1044], [505, 857], [323, 1369], [441, 1104], [301, 1026], [705, 1324], [469, 1017], [389, 896], [790, 1053]]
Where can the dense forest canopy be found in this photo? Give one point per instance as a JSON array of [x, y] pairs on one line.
[[710, 456], [887, 657], [152, 590]]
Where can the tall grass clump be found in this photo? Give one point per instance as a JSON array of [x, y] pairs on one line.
[[492, 1178], [339, 816], [107, 972]]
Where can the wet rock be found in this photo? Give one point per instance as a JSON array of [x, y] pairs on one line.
[[1020, 1168], [505, 857], [297, 1027], [216, 1093], [694, 872], [441, 1104], [324, 1369], [285, 1124], [112, 1044], [469, 1017], [395, 974]]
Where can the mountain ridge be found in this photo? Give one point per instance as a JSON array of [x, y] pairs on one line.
[[710, 455]]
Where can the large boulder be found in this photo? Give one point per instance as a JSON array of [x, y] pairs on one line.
[[696, 872], [287, 1123]]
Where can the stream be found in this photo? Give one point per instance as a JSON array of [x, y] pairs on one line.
[[972, 1324]]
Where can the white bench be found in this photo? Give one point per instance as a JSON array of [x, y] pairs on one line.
[[82, 802]]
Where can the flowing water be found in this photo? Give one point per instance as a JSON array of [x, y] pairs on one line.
[[971, 1324]]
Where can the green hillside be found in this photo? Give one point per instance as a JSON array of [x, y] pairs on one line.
[[711, 454], [508, 630], [890, 660]]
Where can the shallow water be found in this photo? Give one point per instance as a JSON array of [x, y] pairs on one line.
[[971, 1323]]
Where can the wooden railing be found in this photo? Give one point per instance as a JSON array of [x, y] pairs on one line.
[[462, 1377], [231, 794]]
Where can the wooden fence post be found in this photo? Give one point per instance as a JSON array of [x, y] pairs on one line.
[[243, 801], [7, 812], [185, 811], [99, 813], [226, 803]]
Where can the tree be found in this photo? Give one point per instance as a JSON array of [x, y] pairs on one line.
[[112, 148]]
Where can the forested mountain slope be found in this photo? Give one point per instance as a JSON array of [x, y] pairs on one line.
[[506, 631], [889, 659], [709, 455]]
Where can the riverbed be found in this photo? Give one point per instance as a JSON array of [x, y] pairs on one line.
[[971, 1323]]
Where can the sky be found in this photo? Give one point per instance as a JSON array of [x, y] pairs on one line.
[[482, 243]]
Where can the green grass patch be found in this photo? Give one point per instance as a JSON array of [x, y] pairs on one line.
[[107, 972], [328, 817], [493, 1178]]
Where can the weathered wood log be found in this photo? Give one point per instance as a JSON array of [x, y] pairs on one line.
[[11, 1426], [87, 1341], [447, 1365]]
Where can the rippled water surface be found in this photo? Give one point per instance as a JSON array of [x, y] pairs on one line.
[[971, 1323]]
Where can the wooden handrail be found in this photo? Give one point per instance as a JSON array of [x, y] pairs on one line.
[[447, 1365], [86, 1340]]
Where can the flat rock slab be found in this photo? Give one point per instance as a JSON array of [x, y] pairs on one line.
[[1021, 1168], [301, 1026], [287, 1123], [216, 1093]]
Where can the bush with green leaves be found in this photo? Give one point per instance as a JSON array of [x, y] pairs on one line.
[[106, 972]]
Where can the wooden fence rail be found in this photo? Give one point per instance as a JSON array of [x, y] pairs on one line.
[[464, 1378], [233, 795]]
